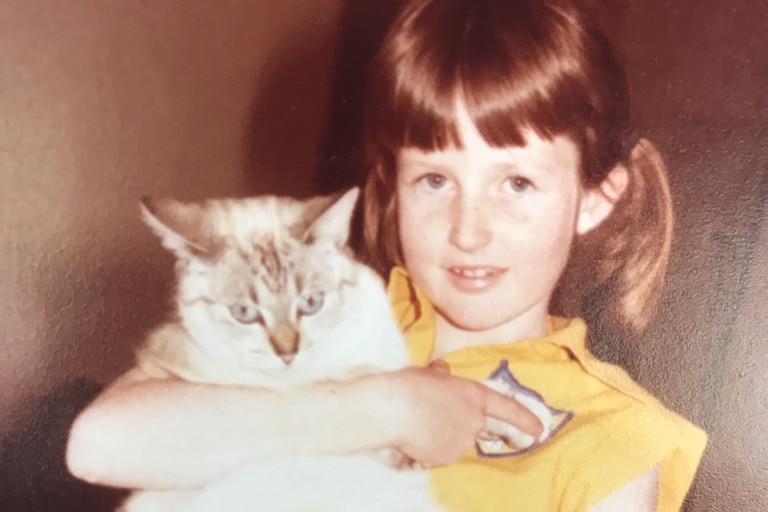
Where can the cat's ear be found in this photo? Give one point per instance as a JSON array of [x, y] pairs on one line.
[[333, 224], [182, 227]]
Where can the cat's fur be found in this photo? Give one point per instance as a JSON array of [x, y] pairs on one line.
[[276, 256]]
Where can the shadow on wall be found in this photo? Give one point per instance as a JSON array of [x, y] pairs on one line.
[[363, 28], [279, 156], [33, 477]]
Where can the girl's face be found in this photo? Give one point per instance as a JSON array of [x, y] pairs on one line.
[[486, 232]]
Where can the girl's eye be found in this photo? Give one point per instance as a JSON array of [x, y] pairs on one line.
[[434, 181], [309, 303], [519, 183], [246, 314]]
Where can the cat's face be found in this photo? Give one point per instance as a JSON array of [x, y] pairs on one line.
[[258, 276]]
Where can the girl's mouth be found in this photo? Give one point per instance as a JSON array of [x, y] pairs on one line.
[[476, 278]]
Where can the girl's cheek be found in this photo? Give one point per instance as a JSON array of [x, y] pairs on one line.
[[417, 213], [514, 210]]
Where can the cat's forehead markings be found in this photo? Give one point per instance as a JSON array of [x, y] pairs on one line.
[[253, 294], [244, 253], [272, 271]]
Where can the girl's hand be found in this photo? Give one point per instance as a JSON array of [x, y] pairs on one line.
[[442, 415]]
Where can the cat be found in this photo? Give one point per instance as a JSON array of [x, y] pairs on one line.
[[269, 295]]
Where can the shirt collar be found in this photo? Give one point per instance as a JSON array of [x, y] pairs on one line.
[[415, 315]]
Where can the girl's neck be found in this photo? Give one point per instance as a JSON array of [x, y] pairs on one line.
[[450, 337]]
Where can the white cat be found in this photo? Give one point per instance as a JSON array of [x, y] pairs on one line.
[[269, 295]]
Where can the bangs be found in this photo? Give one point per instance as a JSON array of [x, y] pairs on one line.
[[511, 76]]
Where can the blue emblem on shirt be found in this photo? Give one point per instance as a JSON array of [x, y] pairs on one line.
[[502, 440]]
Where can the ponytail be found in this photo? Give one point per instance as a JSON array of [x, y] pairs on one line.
[[647, 238], [629, 251]]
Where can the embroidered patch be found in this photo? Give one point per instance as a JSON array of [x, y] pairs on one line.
[[503, 440]]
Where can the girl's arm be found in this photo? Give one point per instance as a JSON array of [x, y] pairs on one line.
[[162, 433], [639, 495]]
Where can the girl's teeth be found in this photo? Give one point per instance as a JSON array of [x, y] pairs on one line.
[[472, 274]]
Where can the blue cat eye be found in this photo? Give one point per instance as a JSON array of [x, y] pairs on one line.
[[309, 303], [245, 314]]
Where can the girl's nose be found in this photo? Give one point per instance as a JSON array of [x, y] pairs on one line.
[[470, 228]]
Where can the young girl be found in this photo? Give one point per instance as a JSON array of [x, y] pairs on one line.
[[499, 140], [499, 145]]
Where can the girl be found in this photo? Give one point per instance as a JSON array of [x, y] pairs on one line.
[[499, 145], [499, 140]]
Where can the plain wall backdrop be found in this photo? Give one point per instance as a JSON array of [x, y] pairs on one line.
[[699, 77]]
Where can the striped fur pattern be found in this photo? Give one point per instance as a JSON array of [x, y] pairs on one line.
[[269, 295]]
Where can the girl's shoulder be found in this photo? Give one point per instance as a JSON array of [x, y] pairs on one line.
[[606, 429]]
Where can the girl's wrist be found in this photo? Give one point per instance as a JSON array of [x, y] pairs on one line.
[[384, 399]]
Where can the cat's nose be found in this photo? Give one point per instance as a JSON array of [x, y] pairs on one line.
[[285, 341]]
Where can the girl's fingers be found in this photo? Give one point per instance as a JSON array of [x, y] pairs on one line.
[[511, 411]]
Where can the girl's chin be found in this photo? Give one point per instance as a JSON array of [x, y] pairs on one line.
[[503, 315], [470, 319]]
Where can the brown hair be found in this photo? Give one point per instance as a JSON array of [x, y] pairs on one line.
[[517, 65]]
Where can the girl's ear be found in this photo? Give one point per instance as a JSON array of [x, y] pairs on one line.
[[598, 202]]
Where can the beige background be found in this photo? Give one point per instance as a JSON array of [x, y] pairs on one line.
[[101, 102]]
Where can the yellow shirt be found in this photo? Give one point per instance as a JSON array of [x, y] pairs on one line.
[[608, 429]]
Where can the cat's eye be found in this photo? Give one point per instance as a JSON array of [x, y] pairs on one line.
[[309, 303], [246, 314]]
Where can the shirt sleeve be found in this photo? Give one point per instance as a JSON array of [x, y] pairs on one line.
[[623, 444]]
